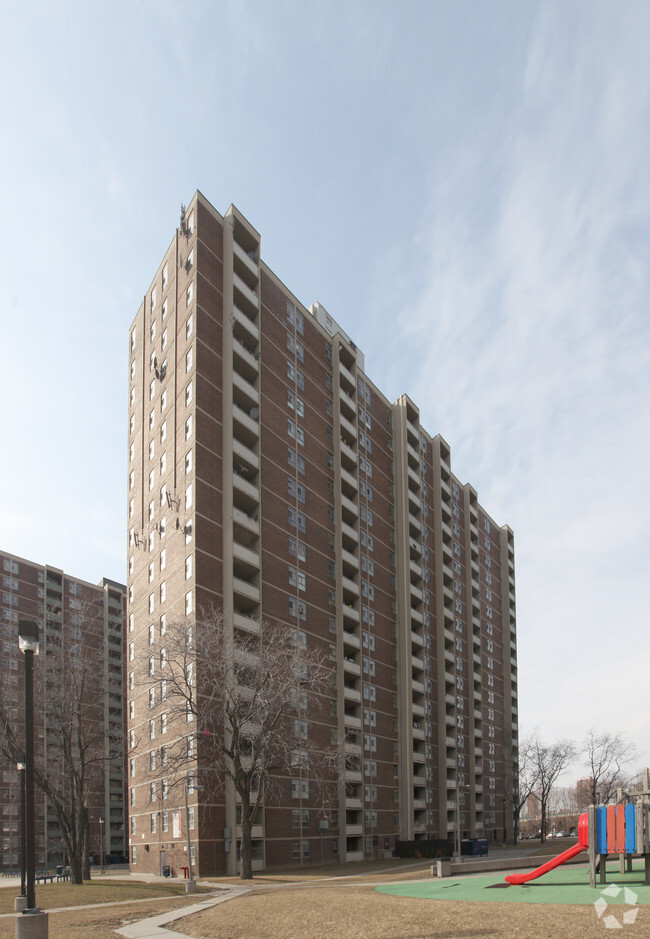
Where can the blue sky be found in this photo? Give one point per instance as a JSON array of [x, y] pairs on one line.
[[473, 175]]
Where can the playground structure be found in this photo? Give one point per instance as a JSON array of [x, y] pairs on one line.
[[621, 830]]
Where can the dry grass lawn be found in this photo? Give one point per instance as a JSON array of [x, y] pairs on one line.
[[337, 912], [102, 921]]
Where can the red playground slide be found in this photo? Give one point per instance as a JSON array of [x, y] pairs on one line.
[[583, 839]]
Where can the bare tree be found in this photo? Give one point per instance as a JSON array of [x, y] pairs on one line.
[[606, 758], [549, 763], [564, 801], [69, 700], [253, 707], [526, 772]]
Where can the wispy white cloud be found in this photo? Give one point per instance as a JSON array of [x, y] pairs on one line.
[[534, 325]]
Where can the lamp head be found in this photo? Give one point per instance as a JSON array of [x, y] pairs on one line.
[[28, 633]]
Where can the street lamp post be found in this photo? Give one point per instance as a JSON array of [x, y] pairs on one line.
[[21, 902], [101, 844], [32, 922]]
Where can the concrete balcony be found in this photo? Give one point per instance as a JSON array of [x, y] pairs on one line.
[[351, 694], [244, 328], [247, 489], [347, 454], [246, 556], [346, 377], [243, 295], [249, 522], [347, 479], [413, 455], [246, 261], [348, 430], [349, 533], [417, 663], [350, 615], [351, 667], [246, 624], [245, 394], [349, 560], [354, 856], [354, 723], [245, 456], [347, 403], [349, 587], [351, 803], [243, 589], [351, 639], [243, 419]]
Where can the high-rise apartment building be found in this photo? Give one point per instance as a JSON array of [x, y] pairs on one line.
[[82, 628], [269, 476]]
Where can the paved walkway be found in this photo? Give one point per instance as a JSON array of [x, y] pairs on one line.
[[154, 927]]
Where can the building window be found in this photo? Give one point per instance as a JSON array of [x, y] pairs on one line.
[[189, 326], [188, 603], [188, 567], [300, 788]]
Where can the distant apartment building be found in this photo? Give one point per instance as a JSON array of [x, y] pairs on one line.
[[82, 627], [269, 476], [584, 792]]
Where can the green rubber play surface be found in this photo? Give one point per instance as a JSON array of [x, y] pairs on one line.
[[563, 885]]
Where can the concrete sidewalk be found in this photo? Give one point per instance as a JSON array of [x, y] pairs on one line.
[[154, 927]]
